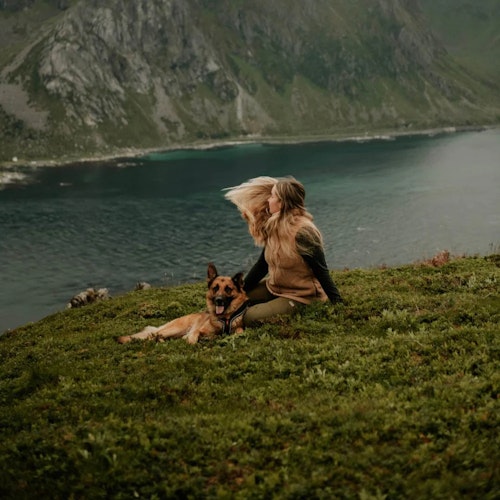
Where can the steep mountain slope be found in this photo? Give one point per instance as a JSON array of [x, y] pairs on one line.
[[470, 31], [99, 75]]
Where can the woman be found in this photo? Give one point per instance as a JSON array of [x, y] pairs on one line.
[[292, 258]]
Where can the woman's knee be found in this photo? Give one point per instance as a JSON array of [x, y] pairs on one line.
[[260, 293]]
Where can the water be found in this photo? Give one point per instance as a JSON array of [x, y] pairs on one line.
[[163, 217]]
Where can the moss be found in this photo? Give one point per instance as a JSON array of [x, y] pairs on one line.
[[394, 394]]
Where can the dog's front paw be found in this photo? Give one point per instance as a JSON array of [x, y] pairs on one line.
[[192, 337], [124, 339]]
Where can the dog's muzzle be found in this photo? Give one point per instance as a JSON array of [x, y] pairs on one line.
[[221, 304]]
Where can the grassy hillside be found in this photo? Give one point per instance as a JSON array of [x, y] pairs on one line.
[[470, 30], [393, 395], [89, 78]]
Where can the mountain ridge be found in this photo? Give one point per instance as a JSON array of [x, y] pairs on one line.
[[101, 76]]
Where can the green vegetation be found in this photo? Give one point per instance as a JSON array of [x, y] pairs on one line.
[[469, 31], [326, 68], [393, 395]]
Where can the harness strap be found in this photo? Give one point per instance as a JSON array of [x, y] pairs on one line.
[[227, 323]]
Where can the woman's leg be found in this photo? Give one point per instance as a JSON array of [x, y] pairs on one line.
[[266, 305], [260, 294]]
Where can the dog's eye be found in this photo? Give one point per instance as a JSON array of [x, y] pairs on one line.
[[228, 289], [215, 289]]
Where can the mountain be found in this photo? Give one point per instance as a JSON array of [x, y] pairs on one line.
[[79, 78], [470, 31]]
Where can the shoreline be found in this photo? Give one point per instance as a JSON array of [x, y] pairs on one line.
[[128, 153], [436, 261]]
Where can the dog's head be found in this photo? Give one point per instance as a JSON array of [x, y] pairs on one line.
[[225, 294]]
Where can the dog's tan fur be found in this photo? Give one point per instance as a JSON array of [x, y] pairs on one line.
[[224, 297]]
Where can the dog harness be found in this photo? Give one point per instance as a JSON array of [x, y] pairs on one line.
[[228, 322]]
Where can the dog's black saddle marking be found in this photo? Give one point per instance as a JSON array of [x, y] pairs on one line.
[[227, 323]]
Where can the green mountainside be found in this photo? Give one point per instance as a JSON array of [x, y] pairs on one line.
[[79, 78], [470, 31], [394, 394]]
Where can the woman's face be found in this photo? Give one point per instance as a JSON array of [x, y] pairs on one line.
[[274, 202]]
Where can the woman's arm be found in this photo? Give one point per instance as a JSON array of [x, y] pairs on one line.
[[315, 258], [318, 265], [258, 271]]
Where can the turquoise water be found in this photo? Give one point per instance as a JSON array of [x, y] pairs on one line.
[[163, 217]]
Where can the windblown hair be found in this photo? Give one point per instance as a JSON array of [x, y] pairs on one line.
[[286, 232]]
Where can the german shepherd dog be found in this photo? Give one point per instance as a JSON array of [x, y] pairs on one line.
[[226, 304]]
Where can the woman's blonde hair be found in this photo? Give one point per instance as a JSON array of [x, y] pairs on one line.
[[278, 231]]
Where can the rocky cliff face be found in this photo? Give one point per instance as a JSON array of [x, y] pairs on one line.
[[107, 74]]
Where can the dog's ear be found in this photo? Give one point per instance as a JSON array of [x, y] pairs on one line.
[[238, 280], [211, 273]]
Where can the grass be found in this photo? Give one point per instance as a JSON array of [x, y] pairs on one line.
[[393, 395]]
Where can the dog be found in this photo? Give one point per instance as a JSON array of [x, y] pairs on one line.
[[226, 305]]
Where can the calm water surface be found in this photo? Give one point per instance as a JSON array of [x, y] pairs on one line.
[[163, 217]]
